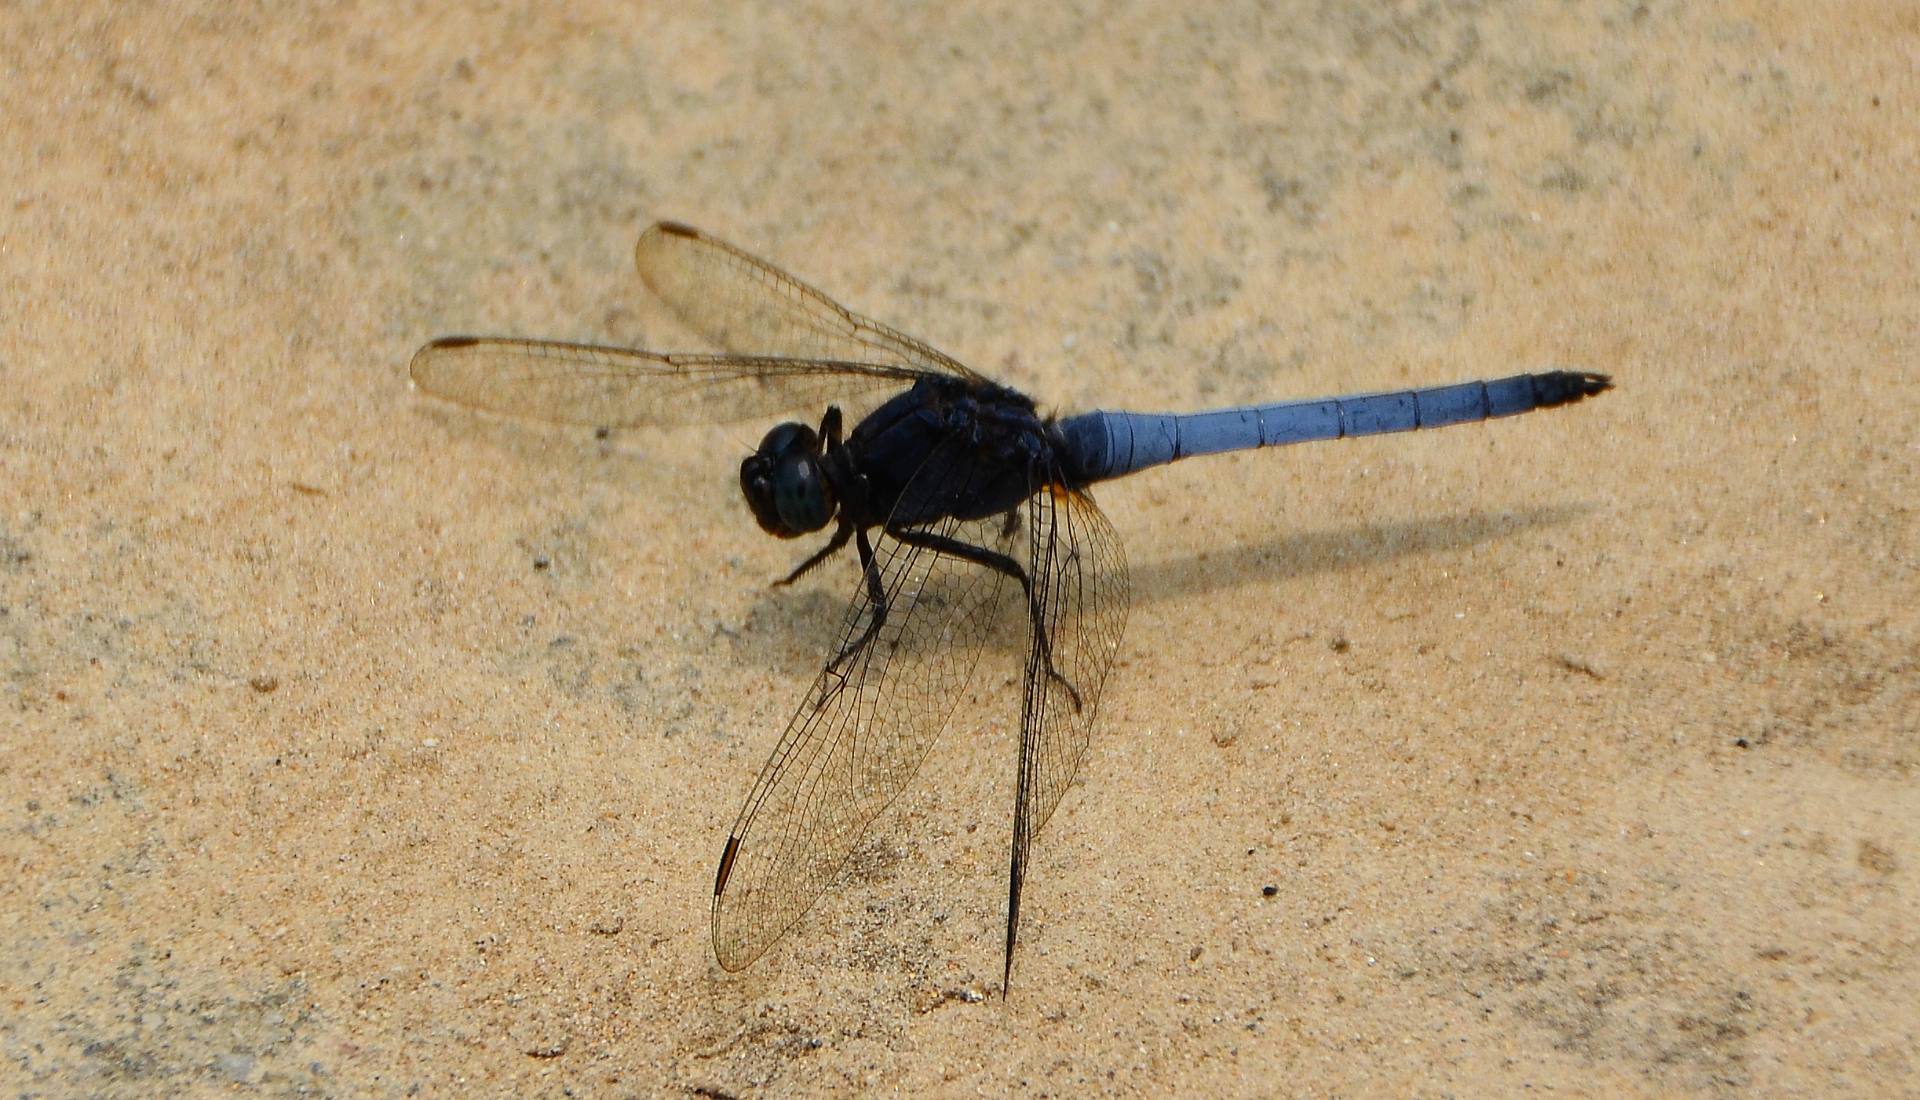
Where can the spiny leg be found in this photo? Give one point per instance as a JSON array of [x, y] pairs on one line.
[[1001, 563], [840, 536]]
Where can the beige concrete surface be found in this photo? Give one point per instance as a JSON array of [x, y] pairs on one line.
[[358, 746]]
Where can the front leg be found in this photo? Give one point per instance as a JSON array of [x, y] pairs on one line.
[[840, 536]]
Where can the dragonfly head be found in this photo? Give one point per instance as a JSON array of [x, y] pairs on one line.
[[784, 484]]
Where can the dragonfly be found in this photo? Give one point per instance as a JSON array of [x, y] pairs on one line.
[[962, 502]]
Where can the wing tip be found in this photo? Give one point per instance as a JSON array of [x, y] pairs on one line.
[[418, 367], [731, 959], [421, 367], [672, 228], [726, 865], [652, 254]]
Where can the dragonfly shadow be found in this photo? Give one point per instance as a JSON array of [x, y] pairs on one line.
[[1356, 547], [786, 631]]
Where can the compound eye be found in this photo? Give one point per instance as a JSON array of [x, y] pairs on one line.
[[783, 482], [800, 494], [787, 439]]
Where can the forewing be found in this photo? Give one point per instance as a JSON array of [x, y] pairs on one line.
[[618, 387], [858, 737], [1080, 594], [747, 306]]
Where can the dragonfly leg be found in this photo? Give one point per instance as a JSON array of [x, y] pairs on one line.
[[876, 595], [999, 563], [840, 536]]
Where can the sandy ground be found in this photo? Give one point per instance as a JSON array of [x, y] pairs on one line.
[[358, 746]]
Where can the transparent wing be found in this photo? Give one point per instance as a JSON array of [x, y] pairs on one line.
[[861, 733], [747, 306], [607, 387], [1079, 602]]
